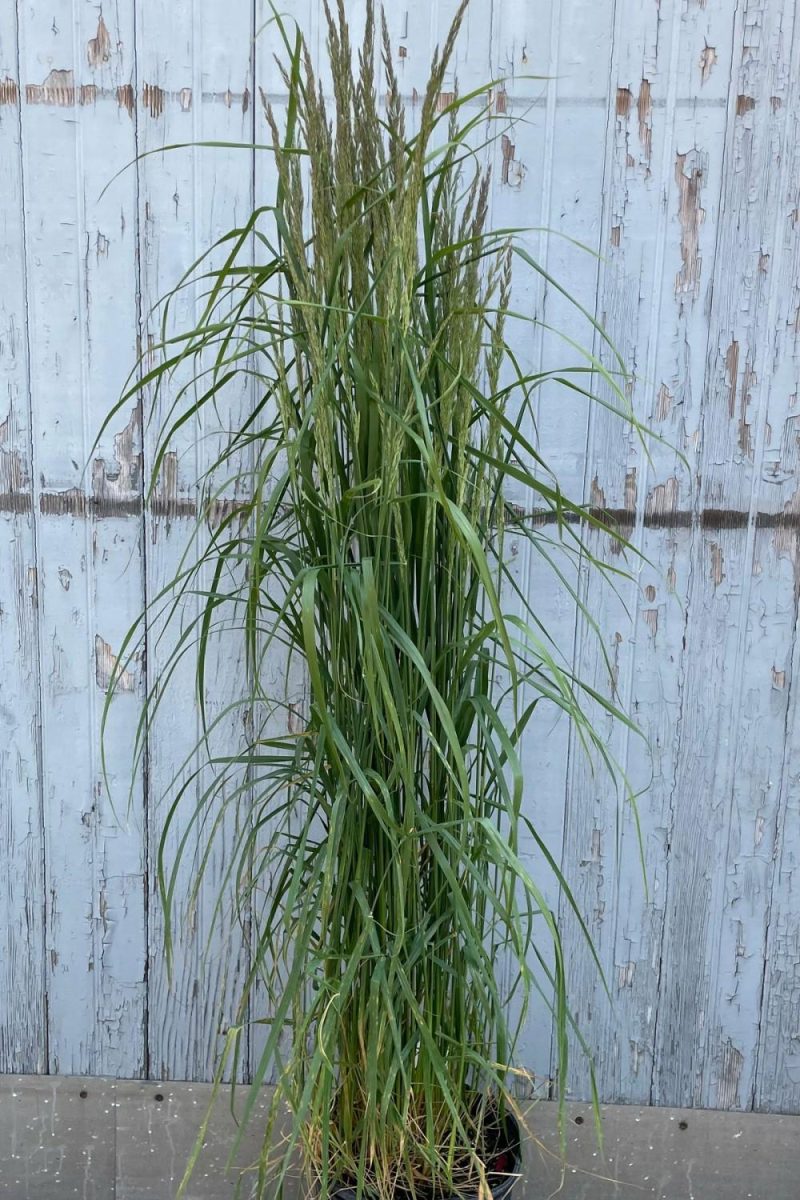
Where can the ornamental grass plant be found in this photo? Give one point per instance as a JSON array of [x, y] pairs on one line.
[[377, 472]]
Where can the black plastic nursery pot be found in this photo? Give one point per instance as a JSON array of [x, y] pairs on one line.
[[503, 1171]]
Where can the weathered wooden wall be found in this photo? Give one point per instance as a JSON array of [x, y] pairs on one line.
[[665, 136]]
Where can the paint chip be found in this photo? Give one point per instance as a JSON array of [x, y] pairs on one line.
[[13, 476], [105, 666], [664, 401], [625, 974], [663, 499], [116, 487], [598, 496], [689, 178], [9, 92], [731, 1063], [58, 88], [708, 59], [153, 99], [732, 374], [126, 98], [630, 490], [644, 107], [749, 381], [512, 172], [98, 50]]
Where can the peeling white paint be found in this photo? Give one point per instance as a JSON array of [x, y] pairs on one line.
[[663, 137]]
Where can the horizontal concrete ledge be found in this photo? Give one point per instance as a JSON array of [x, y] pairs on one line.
[[101, 1139]]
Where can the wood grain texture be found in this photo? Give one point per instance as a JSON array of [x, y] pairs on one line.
[[777, 1070], [740, 607], [197, 64], [640, 662], [79, 256], [664, 138], [539, 187], [23, 1018]]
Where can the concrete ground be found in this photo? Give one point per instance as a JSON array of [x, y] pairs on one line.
[[102, 1139]]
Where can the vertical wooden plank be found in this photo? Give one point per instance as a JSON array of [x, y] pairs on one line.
[[522, 131], [751, 326], [556, 94], [603, 842], [577, 114], [520, 199], [777, 1076], [194, 83], [655, 111], [740, 631], [778, 484], [576, 184], [23, 1020], [692, 83], [80, 269], [284, 684], [777, 1082], [754, 757], [757, 375], [723, 822], [665, 178], [491, 53]]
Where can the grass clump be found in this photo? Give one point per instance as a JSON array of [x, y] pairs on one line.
[[378, 854]]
